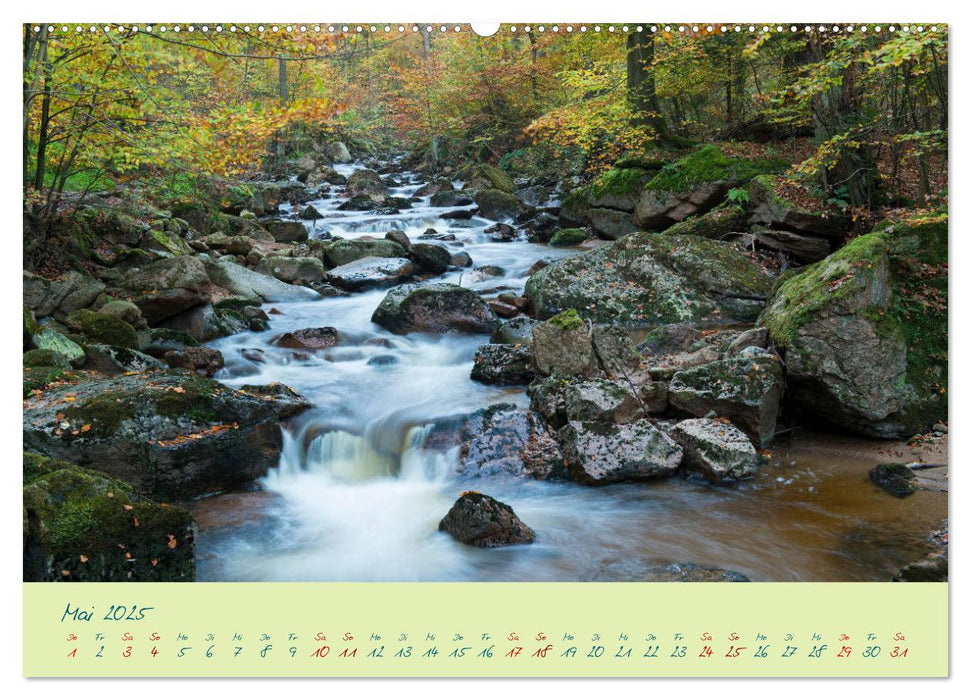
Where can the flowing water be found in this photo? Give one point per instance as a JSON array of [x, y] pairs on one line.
[[357, 496]]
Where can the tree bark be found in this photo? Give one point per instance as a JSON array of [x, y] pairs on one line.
[[641, 91]]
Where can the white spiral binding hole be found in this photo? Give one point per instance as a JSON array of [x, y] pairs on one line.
[[55, 30]]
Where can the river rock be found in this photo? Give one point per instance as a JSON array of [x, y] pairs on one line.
[[365, 182], [634, 571], [717, 224], [81, 525], [158, 341], [400, 237], [450, 198], [482, 521], [124, 310], [644, 279], [569, 237], [503, 365], [599, 453], [102, 328], [563, 346], [205, 323], [301, 271], [601, 401], [746, 390], [168, 287], [516, 331], [50, 340], [284, 231], [495, 204], [483, 176], [108, 359], [431, 258], [309, 339], [439, 184], [247, 283], [716, 449], [341, 251], [284, 400], [171, 435], [370, 273], [865, 331], [337, 152], [206, 361], [757, 337], [434, 308], [896, 479]]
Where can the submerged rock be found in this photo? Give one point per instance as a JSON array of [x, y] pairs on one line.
[[169, 435], [716, 449], [434, 308], [482, 521], [598, 453], [896, 479], [80, 525]]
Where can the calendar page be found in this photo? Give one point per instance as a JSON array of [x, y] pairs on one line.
[[394, 349]]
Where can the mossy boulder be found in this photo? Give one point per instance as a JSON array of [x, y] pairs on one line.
[[53, 341], [693, 185], [292, 270], [81, 525], [615, 190], [569, 237], [45, 358], [158, 341], [431, 258], [169, 435], [746, 390], [341, 252], [365, 182], [715, 224], [434, 308], [168, 287], [125, 310], [103, 328], [286, 231], [645, 280], [30, 325], [165, 242], [109, 359], [496, 204], [865, 331], [772, 207], [483, 176]]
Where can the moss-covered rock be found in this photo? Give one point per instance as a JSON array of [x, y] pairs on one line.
[[600, 453], [865, 331], [715, 224], [771, 207], [45, 358], [563, 346], [434, 308], [30, 325], [341, 251], [169, 435], [50, 339], [483, 176], [693, 185], [496, 204], [645, 280], [84, 526], [168, 287], [569, 237], [103, 328]]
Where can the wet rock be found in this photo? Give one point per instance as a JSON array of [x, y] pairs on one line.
[[310, 213], [597, 453], [158, 341], [206, 361], [75, 519], [495, 204], [716, 449], [457, 215], [247, 283], [896, 479], [383, 361], [400, 237], [301, 271], [430, 258], [503, 233], [169, 435], [439, 184], [309, 339], [461, 259], [516, 331], [450, 199], [482, 521], [284, 400], [371, 273], [865, 331], [433, 235], [502, 309], [601, 401], [504, 365], [254, 354], [118, 360], [286, 231], [644, 279], [631, 571], [205, 323], [168, 287], [569, 237], [365, 182], [340, 252], [745, 390], [563, 346], [434, 308]]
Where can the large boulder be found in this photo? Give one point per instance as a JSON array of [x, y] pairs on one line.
[[370, 273], [482, 521], [434, 308], [102, 328], [365, 182], [343, 251], [205, 323], [431, 258], [169, 435], [309, 338], [772, 207], [563, 345], [50, 340], [59, 297], [109, 359], [716, 449], [496, 204], [285, 231], [692, 186], [865, 331], [168, 287], [249, 284], [81, 525], [503, 365], [744, 389], [601, 401], [644, 279], [715, 224], [601, 453], [301, 271], [483, 176]]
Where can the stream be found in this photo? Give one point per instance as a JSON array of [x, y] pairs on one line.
[[357, 496]]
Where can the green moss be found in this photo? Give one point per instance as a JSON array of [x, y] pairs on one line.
[[102, 328], [39, 378], [45, 358], [568, 237], [714, 224], [568, 320], [619, 181], [708, 164], [30, 325], [37, 465]]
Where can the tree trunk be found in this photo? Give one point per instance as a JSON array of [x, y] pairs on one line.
[[641, 92]]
